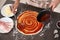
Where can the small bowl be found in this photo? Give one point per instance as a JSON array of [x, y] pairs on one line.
[[6, 11], [2, 28], [58, 24]]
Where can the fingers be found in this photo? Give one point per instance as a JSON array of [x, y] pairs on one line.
[[53, 7], [54, 4], [50, 5], [14, 7]]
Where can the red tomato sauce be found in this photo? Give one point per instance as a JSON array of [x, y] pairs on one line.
[[27, 22]]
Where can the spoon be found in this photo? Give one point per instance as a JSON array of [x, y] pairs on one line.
[[44, 15]]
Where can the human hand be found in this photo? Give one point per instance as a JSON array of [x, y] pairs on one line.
[[14, 7], [54, 3]]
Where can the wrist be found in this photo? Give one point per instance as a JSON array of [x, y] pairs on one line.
[[17, 1]]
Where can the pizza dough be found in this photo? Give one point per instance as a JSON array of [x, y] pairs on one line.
[[27, 23]]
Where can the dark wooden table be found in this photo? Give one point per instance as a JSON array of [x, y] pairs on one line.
[[48, 32]]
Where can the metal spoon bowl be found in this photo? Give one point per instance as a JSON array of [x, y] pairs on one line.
[[44, 15]]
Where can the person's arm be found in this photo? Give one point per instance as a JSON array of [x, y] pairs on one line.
[[15, 5], [54, 3]]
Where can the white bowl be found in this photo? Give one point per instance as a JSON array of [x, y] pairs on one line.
[[2, 28], [6, 11]]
